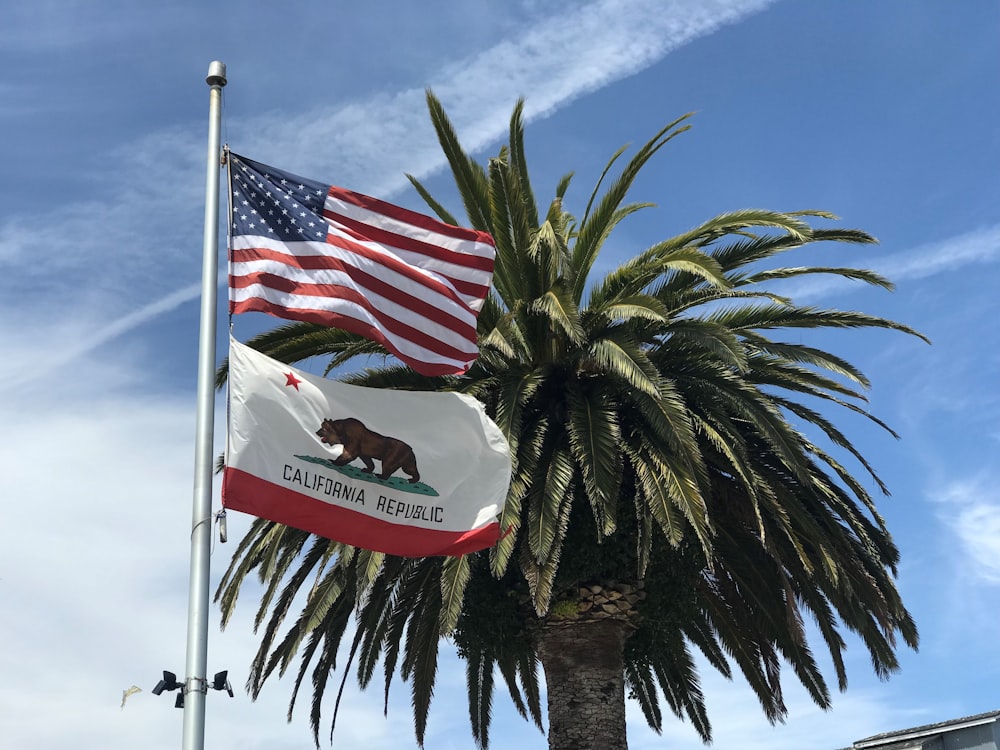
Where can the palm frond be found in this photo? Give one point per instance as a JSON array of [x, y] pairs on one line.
[[655, 265], [596, 226], [455, 574], [758, 317], [594, 439], [519, 162], [750, 250], [618, 357], [442, 213], [560, 313], [479, 682], [470, 177], [547, 497], [857, 274], [642, 688], [794, 352]]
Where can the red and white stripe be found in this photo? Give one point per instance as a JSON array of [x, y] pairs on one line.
[[247, 493], [406, 280]]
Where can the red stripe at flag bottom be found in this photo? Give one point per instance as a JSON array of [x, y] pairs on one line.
[[249, 494]]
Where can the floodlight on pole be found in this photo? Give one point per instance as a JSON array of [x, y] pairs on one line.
[[221, 682], [169, 682]]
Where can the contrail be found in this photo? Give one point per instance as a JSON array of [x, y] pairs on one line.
[[555, 62], [558, 60], [954, 253], [16, 373]]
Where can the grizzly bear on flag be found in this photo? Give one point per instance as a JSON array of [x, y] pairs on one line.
[[360, 442]]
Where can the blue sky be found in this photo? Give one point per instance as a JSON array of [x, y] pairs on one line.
[[883, 112]]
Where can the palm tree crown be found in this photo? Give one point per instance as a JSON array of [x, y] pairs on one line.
[[666, 493]]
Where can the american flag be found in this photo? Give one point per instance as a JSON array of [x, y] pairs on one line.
[[304, 250]]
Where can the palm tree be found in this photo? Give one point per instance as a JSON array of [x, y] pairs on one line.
[[669, 492]]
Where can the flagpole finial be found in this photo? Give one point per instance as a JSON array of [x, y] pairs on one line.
[[216, 74]]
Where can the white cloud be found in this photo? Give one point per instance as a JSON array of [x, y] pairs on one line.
[[970, 507], [59, 25], [142, 239], [28, 341], [92, 562], [956, 253], [94, 566], [556, 61]]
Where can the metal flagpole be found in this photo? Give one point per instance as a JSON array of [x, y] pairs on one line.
[[195, 686]]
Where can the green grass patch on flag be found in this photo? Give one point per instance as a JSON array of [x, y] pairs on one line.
[[400, 484]]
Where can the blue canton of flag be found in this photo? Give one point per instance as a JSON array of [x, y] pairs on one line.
[[286, 207]]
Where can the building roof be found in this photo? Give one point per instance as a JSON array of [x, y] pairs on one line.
[[907, 738]]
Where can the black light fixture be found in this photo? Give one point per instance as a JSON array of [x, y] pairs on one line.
[[221, 682], [169, 682]]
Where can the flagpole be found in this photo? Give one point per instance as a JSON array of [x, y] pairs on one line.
[[196, 679]]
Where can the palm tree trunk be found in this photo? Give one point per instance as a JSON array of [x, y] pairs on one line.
[[585, 684]]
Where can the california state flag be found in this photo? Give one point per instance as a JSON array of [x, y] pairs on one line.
[[406, 473]]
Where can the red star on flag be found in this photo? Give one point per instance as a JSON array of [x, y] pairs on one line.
[[291, 380]]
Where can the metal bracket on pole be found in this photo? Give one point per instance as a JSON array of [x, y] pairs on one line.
[[196, 685]]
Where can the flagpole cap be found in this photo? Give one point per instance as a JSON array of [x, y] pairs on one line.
[[216, 74]]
